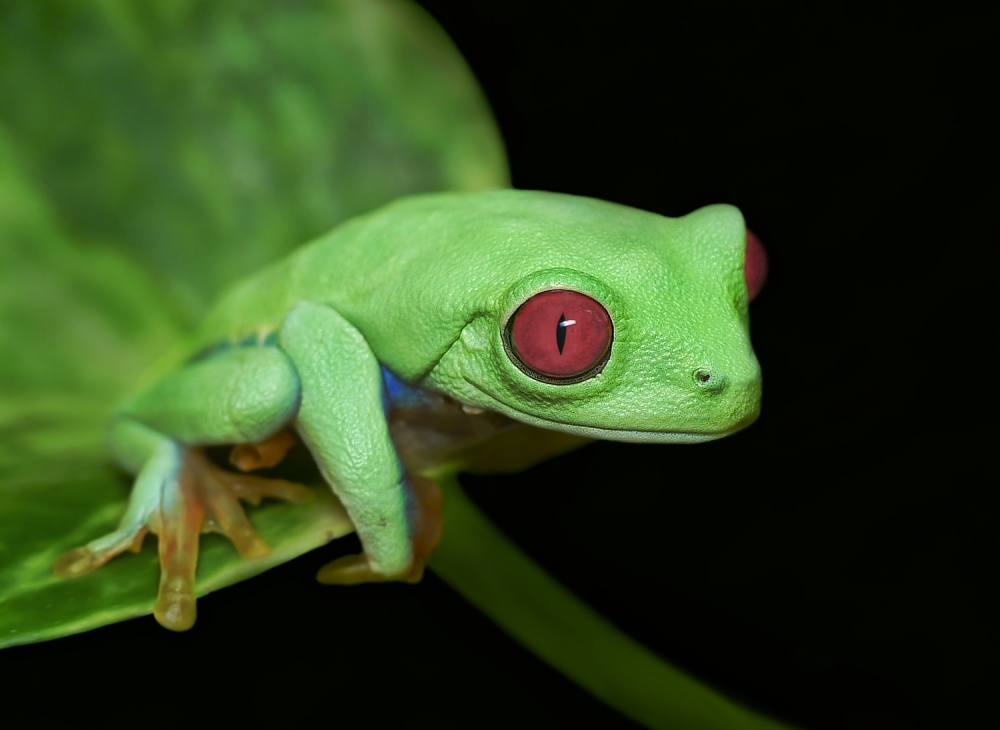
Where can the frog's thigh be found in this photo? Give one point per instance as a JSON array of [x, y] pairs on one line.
[[342, 421], [242, 395]]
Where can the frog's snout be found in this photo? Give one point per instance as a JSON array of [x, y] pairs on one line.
[[710, 380], [732, 395]]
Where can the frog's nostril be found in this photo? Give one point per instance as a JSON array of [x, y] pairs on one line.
[[709, 380]]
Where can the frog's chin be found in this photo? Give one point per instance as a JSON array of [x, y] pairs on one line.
[[616, 434], [642, 437]]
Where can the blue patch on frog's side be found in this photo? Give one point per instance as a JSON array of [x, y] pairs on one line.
[[399, 394]]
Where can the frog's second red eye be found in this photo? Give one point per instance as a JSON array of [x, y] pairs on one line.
[[560, 335]]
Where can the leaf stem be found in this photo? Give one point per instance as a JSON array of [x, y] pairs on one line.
[[476, 559]]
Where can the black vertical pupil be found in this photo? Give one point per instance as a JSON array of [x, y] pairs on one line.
[[561, 333]]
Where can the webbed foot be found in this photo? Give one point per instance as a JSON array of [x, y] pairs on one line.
[[426, 528], [178, 495]]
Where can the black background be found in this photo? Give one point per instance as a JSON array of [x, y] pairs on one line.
[[833, 564]]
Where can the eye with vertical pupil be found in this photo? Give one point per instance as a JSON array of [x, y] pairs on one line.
[[560, 334]]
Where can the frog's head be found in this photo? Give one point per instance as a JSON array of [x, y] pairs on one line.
[[609, 322]]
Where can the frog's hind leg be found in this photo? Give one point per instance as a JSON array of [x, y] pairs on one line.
[[178, 495], [205, 498], [159, 459], [244, 396]]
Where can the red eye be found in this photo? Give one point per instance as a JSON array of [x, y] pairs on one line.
[[755, 267], [560, 334]]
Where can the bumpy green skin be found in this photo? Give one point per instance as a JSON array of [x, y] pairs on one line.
[[425, 287]]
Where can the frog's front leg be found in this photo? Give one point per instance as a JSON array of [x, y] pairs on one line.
[[244, 395], [342, 420], [424, 516]]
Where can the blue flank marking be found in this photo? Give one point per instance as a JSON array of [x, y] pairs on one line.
[[399, 394]]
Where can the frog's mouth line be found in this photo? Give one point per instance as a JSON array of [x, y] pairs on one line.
[[613, 434]]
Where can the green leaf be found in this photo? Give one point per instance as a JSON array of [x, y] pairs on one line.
[[152, 153], [206, 139], [40, 522], [77, 328]]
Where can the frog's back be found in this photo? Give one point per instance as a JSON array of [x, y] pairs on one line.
[[338, 267], [410, 275]]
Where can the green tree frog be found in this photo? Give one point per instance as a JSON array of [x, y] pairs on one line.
[[447, 331]]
